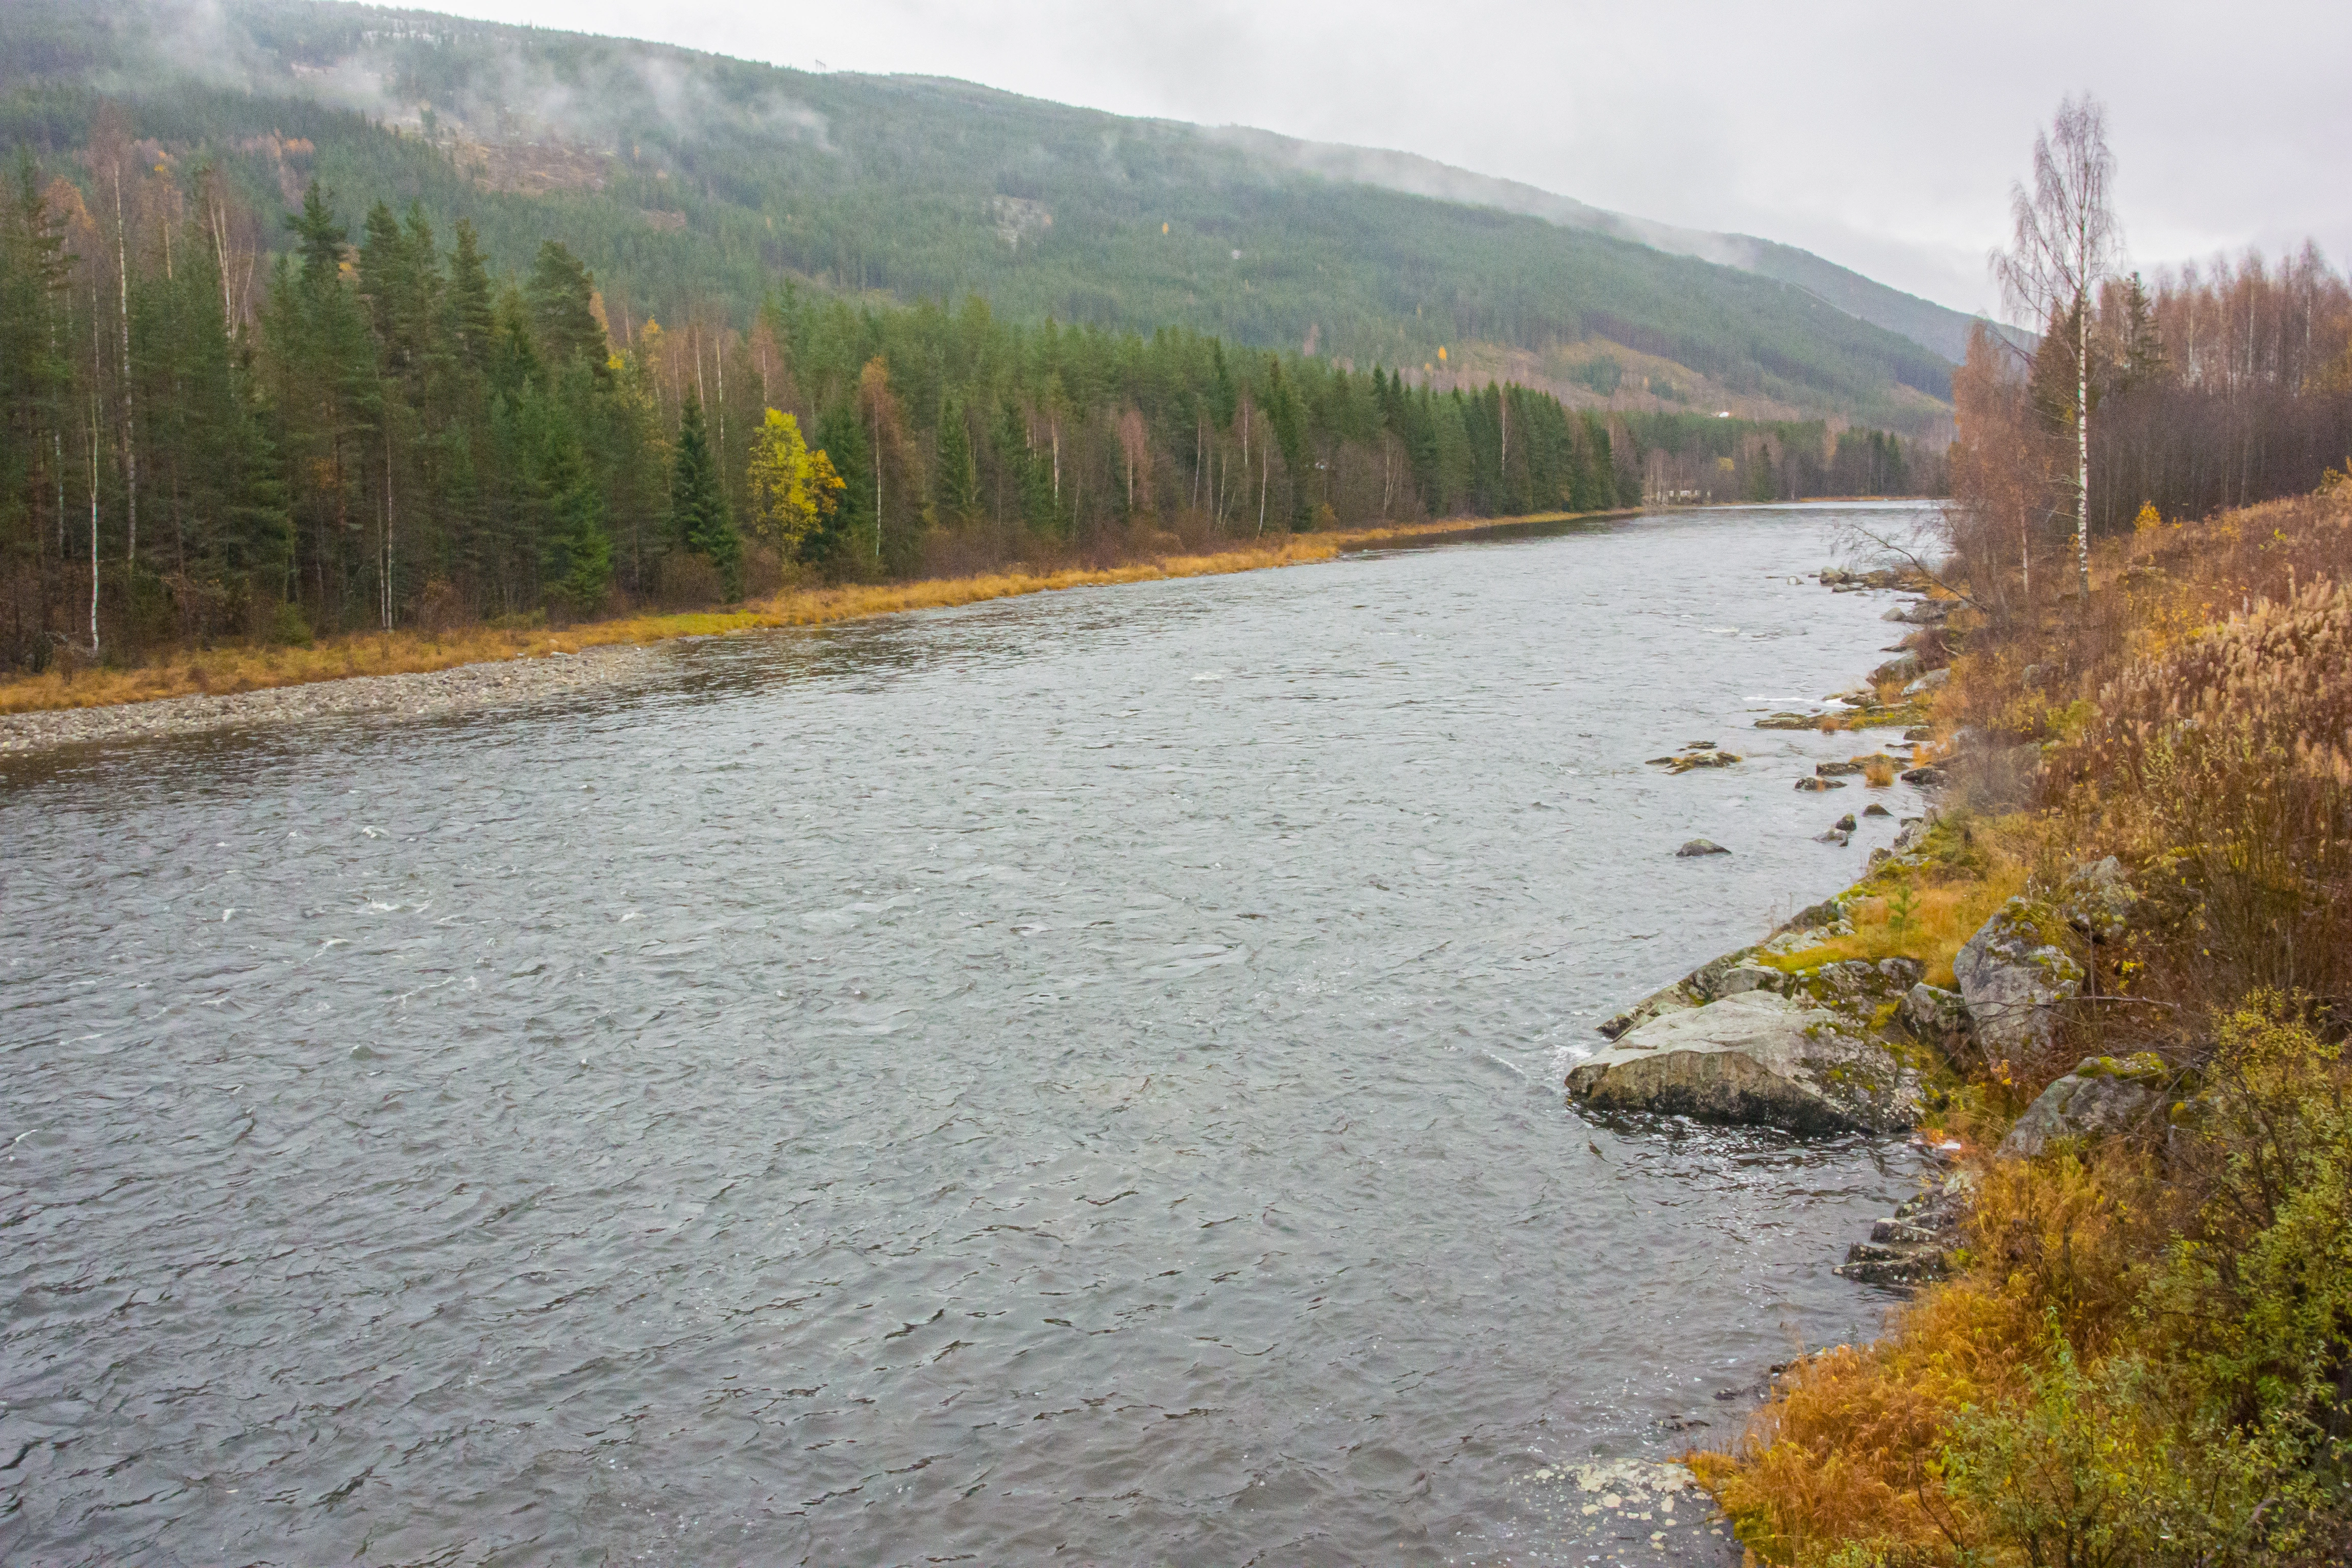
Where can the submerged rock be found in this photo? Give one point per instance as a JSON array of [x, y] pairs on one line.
[[1755, 1059], [1700, 847], [2104, 1097], [2015, 978]]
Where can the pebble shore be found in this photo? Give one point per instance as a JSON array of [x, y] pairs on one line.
[[431, 694]]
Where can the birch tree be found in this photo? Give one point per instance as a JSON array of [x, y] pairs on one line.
[[2063, 247]]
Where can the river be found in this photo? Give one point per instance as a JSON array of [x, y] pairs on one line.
[[1076, 1075]]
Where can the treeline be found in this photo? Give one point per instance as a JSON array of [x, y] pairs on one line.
[[2211, 389], [1693, 458], [204, 439]]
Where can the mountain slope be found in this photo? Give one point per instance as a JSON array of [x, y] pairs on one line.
[[690, 180], [1934, 327]]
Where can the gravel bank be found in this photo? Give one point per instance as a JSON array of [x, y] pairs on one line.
[[427, 695]]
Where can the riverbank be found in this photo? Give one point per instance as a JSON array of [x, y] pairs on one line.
[[2140, 1355], [422, 674]]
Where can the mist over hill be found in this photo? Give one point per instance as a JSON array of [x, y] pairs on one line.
[[683, 178]]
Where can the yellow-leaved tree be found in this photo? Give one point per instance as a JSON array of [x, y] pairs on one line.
[[793, 489]]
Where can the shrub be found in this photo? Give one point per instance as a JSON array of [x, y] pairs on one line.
[[2227, 764], [287, 625]]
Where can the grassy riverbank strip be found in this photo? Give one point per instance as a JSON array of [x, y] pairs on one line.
[[2144, 1354], [228, 670]]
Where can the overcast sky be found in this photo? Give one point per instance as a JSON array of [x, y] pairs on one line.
[[1883, 137]]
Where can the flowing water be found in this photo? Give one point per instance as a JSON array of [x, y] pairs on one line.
[[1078, 1075]]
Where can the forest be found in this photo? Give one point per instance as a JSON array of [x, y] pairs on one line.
[[678, 176], [227, 423]]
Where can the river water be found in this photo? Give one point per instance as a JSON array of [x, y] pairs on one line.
[[1078, 1075]]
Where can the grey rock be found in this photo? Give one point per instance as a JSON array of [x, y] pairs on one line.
[[1753, 1059], [1745, 977], [2097, 899], [1907, 667], [1844, 824], [2015, 981], [1836, 769], [1837, 836], [1925, 612], [1902, 973], [1925, 778], [1818, 783], [1936, 1017], [1828, 912], [1700, 847], [1932, 681], [1875, 809], [2101, 1098], [1914, 1244]]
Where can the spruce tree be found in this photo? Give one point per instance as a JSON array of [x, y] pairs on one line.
[[697, 510], [959, 478], [844, 547], [562, 309]]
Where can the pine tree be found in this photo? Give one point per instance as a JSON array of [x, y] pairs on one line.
[[842, 547], [578, 561], [958, 497], [472, 321], [697, 510], [562, 309]]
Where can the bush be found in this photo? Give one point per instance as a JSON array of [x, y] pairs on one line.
[[287, 625], [2227, 765]]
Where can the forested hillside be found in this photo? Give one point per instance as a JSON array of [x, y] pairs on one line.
[[334, 376], [683, 177]]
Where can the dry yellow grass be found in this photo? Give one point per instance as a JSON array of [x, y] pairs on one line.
[[1942, 919], [226, 669]]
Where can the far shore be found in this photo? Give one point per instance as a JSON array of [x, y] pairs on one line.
[[417, 673]]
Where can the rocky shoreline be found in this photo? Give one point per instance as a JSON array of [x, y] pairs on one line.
[[1854, 1046], [429, 695]]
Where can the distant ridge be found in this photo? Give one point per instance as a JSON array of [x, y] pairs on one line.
[[1931, 326], [691, 181]]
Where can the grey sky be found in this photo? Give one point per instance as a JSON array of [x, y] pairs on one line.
[[1883, 137]]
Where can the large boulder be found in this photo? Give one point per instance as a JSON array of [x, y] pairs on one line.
[[2016, 980], [2104, 1097], [1752, 1058]]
